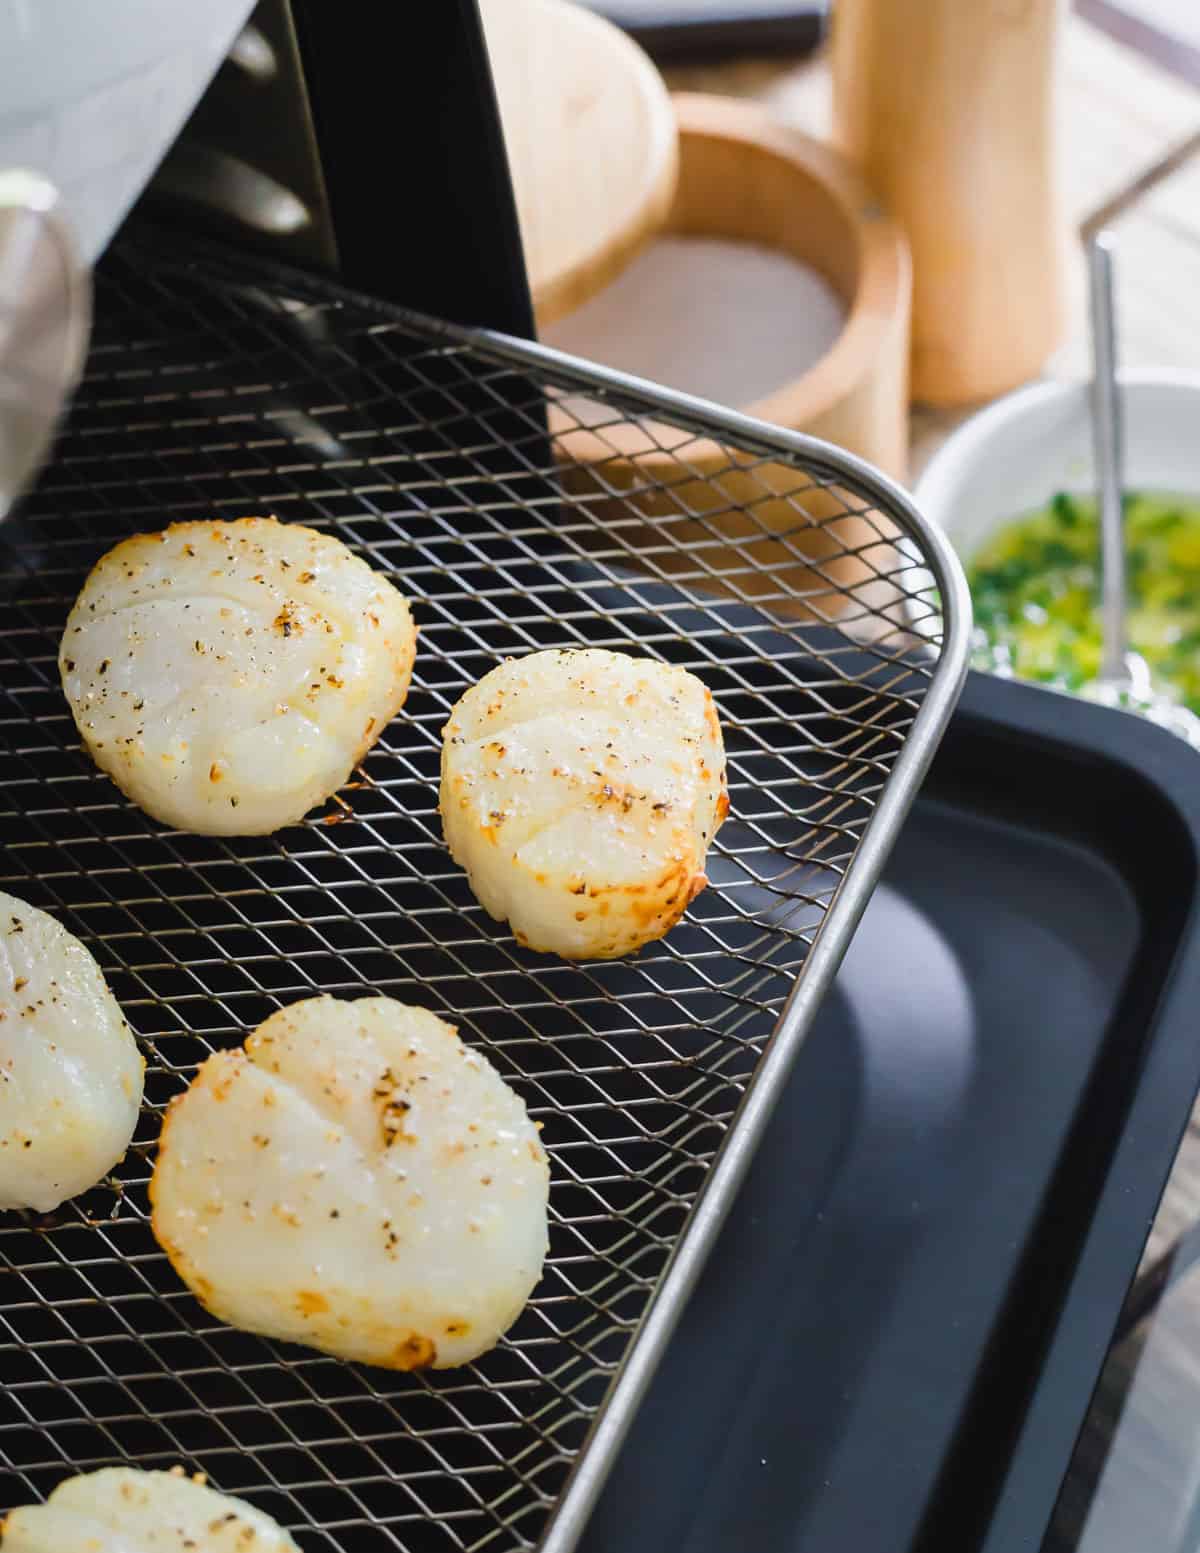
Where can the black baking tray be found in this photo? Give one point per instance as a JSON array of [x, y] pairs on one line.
[[895, 1340]]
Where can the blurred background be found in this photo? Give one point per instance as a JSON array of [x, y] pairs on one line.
[[1121, 88]]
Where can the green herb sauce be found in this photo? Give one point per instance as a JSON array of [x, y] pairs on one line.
[[1036, 592]]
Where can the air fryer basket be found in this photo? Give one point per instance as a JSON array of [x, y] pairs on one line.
[[217, 388]]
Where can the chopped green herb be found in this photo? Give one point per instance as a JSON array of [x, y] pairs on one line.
[[1035, 588]]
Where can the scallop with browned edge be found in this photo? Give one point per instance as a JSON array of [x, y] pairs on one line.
[[358, 1180], [228, 676], [580, 791]]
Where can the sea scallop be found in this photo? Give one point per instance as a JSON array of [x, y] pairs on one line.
[[580, 791], [123, 1510], [358, 1180], [228, 676], [70, 1069]]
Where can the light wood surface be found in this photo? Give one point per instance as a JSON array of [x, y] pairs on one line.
[[591, 143], [1117, 112], [948, 110]]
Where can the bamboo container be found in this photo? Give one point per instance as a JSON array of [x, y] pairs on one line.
[[948, 106]]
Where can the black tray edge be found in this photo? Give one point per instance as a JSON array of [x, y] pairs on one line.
[[1033, 1459]]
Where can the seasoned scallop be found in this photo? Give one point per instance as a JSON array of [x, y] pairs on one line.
[[229, 675], [580, 791], [122, 1510], [70, 1070], [358, 1180]]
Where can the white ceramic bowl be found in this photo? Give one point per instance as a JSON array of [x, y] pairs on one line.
[[1011, 458]]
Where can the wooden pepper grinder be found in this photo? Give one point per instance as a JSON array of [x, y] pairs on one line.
[[949, 108]]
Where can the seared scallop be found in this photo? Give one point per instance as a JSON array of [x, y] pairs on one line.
[[580, 791], [70, 1070], [121, 1510], [358, 1180], [229, 675]]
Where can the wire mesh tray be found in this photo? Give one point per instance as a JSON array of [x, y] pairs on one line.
[[214, 388]]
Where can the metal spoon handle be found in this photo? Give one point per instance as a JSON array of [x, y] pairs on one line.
[[1109, 453]]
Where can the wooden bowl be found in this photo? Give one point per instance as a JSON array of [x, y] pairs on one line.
[[743, 176]]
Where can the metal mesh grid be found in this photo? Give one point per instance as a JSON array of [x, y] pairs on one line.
[[209, 394]]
